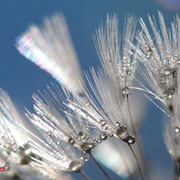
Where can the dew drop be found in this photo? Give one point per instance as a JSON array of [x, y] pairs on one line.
[[177, 130], [58, 142], [118, 123], [131, 140], [71, 141], [86, 159], [99, 140], [103, 136], [126, 91], [167, 72], [103, 122]]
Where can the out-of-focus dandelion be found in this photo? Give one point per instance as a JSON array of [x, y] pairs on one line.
[[50, 47], [120, 159]]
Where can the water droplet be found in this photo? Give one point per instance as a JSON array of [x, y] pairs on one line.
[[94, 141], [75, 166], [122, 132], [58, 142], [86, 159], [71, 141], [103, 136], [126, 91], [118, 124], [87, 146], [131, 140], [103, 122], [167, 72], [110, 134], [104, 125], [99, 140], [176, 129]]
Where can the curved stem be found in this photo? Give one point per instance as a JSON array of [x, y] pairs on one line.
[[84, 175], [176, 170], [137, 139], [105, 173], [137, 162]]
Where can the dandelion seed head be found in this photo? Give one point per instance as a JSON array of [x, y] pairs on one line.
[[115, 52], [159, 55], [62, 120]]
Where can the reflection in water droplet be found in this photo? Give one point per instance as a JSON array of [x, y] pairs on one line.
[[103, 136], [131, 140]]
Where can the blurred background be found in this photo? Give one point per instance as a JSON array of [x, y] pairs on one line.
[[20, 77]]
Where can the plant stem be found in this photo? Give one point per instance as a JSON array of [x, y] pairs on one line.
[[137, 162], [176, 170], [137, 139], [105, 173], [84, 175]]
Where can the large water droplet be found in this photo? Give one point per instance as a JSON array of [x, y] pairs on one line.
[[75, 166], [87, 146], [118, 124], [131, 140]]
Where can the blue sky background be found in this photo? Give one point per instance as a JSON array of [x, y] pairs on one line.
[[20, 77]]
